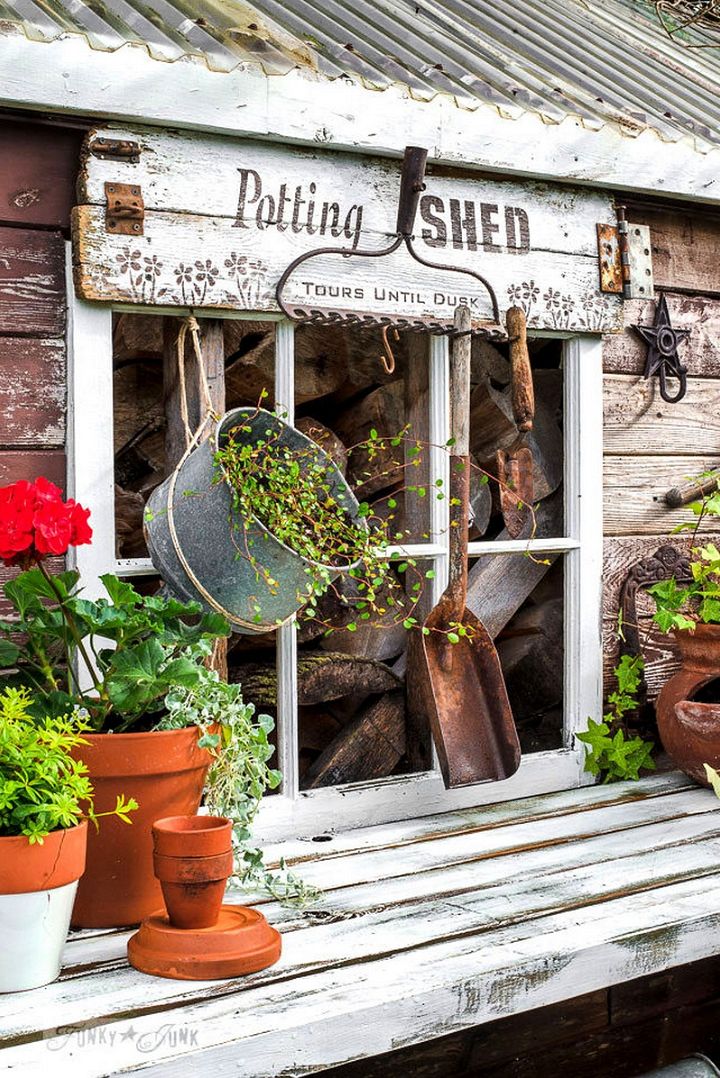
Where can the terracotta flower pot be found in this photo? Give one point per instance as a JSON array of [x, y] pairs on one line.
[[37, 889], [689, 728], [193, 860], [165, 772]]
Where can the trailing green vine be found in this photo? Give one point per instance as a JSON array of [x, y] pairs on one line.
[[610, 752], [239, 775]]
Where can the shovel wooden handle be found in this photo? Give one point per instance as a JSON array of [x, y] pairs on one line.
[[460, 382], [523, 393]]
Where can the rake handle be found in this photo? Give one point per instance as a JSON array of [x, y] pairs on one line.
[[411, 187]]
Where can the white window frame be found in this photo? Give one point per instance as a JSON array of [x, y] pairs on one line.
[[297, 813]]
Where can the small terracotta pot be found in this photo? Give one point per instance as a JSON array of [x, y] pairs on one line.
[[193, 860], [165, 772], [690, 729]]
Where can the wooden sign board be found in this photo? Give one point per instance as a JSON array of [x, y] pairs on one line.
[[224, 218]]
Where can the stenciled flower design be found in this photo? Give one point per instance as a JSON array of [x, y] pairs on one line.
[[237, 264], [129, 260], [552, 299], [531, 291], [206, 272], [153, 267]]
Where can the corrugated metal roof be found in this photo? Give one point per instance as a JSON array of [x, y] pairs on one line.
[[602, 61]]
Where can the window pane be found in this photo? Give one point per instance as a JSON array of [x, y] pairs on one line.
[[493, 429], [348, 401], [144, 360], [520, 600]]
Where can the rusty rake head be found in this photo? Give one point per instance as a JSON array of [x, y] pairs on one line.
[[411, 187]]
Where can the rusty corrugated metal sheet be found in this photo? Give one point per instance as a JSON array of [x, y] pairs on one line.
[[599, 61]]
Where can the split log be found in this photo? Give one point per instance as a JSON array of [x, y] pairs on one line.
[[320, 368], [532, 659], [481, 506], [129, 537], [317, 727], [326, 439], [492, 427], [382, 637], [498, 584], [488, 362], [369, 747], [382, 410], [322, 676]]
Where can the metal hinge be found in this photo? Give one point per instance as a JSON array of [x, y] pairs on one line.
[[625, 259], [118, 149], [125, 214]]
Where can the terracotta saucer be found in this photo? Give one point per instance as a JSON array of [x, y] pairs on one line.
[[241, 942]]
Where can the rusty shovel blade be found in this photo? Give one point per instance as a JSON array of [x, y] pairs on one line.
[[470, 715]]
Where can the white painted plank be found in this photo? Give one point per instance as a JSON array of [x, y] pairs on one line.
[[298, 108], [361, 1010], [173, 168], [675, 850], [186, 260], [489, 906], [382, 836]]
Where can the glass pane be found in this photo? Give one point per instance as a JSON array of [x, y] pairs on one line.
[[348, 401], [520, 600], [500, 452]]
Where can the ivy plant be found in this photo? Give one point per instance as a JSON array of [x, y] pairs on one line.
[[239, 775], [43, 787], [610, 752], [683, 605]]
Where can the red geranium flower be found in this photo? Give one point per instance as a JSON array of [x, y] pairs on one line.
[[52, 528], [35, 522]]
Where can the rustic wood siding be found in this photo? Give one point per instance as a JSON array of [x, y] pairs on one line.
[[38, 165], [649, 445], [37, 169]]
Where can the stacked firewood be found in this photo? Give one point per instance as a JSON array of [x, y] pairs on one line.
[[357, 716]]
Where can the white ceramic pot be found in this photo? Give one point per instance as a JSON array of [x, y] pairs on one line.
[[34, 929], [38, 882]]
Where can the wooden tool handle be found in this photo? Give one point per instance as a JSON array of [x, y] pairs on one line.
[[680, 496], [460, 382], [523, 393]]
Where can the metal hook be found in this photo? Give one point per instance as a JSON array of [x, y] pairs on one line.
[[387, 358]]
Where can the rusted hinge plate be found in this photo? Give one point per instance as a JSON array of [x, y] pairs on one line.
[[117, 149], [125, 214], [639, 271], [610, 262]]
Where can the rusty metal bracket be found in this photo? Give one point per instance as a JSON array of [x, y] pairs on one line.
[[609, 259], [117, 149], [125, 214], [625, 258]]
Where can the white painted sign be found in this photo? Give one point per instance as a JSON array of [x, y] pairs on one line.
[[224, 218]]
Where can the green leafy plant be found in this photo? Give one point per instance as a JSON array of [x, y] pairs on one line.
[[294, 492], [43, 788], [239, 775], [611, 753], [154, 647], [681, 605]]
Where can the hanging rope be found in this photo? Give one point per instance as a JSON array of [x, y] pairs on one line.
[[190, 325]]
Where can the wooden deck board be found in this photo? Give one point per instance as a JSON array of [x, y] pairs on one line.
[[423, 929]]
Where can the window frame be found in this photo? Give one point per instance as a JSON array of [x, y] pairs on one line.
[[292, 812]]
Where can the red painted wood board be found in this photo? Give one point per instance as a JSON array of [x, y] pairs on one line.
[[32, 283]]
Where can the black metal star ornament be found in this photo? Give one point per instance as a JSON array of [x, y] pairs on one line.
[[662, 358]]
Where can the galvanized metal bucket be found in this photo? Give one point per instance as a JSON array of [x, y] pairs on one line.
[[199, 544], [697, 1066]]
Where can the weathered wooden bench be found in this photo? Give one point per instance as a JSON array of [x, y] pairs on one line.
[[425, 928]]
